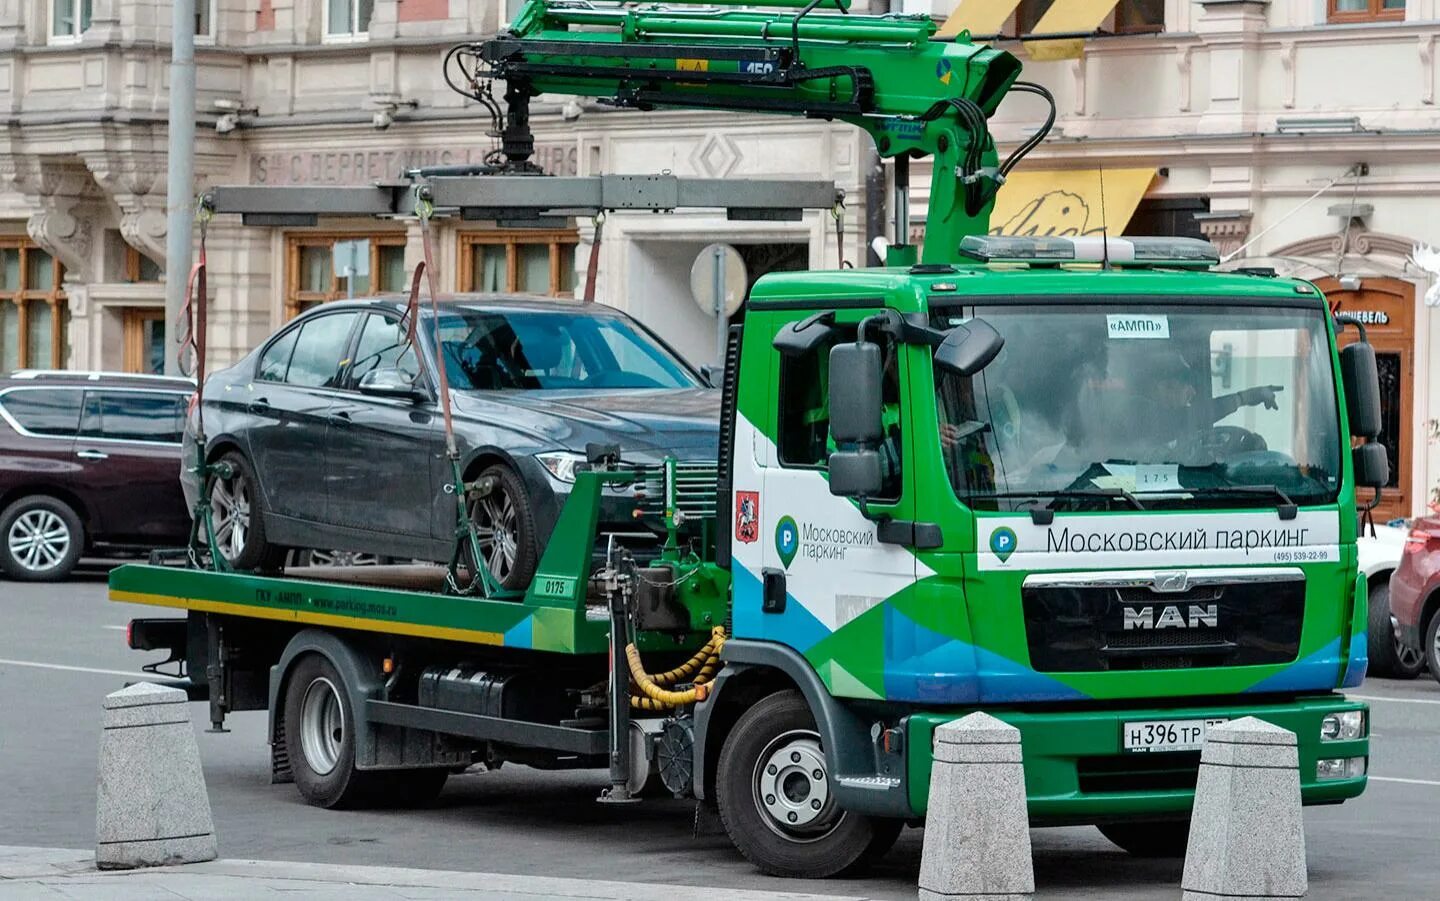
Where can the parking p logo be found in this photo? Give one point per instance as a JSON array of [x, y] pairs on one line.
[[1002, 542]]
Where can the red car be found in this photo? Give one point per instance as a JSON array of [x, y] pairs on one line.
[[1415, 591], [89, 464]]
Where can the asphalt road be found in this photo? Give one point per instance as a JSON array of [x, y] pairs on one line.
[[62, 649]]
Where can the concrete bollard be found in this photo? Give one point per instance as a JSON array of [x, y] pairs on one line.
[[152, 807], [1247, 839], [977, 830]]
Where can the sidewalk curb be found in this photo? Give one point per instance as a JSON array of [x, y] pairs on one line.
[[56, 867]]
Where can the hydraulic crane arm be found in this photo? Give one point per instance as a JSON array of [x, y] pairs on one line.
[[914, 93]]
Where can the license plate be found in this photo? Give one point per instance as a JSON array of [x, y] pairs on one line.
[[1155, 736]]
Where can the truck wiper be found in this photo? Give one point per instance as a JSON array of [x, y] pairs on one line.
[[1044, 514], [1286, 508]]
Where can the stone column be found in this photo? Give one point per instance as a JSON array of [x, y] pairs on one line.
[[152, 808], [977, 829], [1247, 839]]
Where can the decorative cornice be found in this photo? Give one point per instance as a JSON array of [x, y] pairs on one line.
[[1360, 242]]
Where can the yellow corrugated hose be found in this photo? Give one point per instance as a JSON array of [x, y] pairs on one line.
[[655, 696]]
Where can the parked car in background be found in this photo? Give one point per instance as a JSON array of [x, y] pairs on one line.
[[332, 427], [89, 463], [1380, 554], [1415, 592]]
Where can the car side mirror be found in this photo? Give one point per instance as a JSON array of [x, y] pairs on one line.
[[711, 375], [390, 382], [1372, 465], [855, 414], [1361, 378], [968, 347]]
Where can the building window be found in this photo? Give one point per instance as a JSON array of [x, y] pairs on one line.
[[1129, 16], [139, 267], [529, 262], [205, 21], [311, 276], [1139, 16], [348, 20], [144, 340], [1341, 11], [34, 317], [69, 19]]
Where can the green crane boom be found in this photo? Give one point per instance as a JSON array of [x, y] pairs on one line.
[[915, 93]]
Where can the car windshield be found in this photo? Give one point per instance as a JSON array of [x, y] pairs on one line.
[[489, 349], [1177, 405]]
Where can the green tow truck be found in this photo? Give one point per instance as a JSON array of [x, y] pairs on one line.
[[1090, 486]]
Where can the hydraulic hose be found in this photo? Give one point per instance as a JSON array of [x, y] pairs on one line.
[[655, 696]]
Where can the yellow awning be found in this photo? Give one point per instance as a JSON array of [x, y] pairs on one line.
[[978, 17], [1066, 202], [1065, 17]]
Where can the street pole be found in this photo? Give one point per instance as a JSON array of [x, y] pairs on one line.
[[180, 184]]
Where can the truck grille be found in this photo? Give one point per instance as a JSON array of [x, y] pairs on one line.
[[1091, 628]]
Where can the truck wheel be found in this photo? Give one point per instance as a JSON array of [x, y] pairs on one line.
[[505, 526], [40, 539], [1389, 656], [773, 791], [1164, 838], [237, 513], [320, 736]]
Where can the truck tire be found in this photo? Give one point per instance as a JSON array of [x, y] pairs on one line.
[[1389, 656], [40, 539], [1162, 838], [773, 792], [320, 736], [505, 524], [237, 511]]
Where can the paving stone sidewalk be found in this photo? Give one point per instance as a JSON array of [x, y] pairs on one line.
[[53, 873]]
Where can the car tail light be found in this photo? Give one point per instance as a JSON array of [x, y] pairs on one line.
[[1421, 540], [190, 405]]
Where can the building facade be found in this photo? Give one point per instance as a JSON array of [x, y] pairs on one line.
[[1299, 135], [330, 92]]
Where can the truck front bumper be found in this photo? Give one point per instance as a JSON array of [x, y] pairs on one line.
[[1076, 772]]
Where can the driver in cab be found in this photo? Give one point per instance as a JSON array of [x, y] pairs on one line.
[[1181, 409]]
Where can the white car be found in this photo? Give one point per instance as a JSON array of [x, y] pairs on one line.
[[1379, 556]]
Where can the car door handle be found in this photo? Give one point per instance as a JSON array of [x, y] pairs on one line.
[[258, 405], [92, 455], [341, 419]]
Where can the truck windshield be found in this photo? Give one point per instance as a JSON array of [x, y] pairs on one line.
[[492, 349], [1176, 405]]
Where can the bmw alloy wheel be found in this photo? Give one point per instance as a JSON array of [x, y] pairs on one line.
[[495, 528], [791, 789], [230, 514], [38, 540], [322, 726]]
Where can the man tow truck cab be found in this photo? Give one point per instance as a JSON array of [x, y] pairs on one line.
[[1092, 487]]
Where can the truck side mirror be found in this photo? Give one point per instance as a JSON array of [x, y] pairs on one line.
[[969, 347], [1361, 378], [855, 413], [1372, 466], [855, 404]]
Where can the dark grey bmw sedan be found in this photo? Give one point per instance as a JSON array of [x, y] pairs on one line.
[[334, 430]]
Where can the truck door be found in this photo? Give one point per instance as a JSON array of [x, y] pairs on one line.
[[823, 575]]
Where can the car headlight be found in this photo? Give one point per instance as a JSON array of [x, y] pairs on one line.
[[561, 464], [1346, 725]]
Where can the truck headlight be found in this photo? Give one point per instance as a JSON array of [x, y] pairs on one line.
[[561, 464], [1347, 725], [1329, 768]]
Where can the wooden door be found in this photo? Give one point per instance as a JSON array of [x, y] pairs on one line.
[[1387, 308]]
